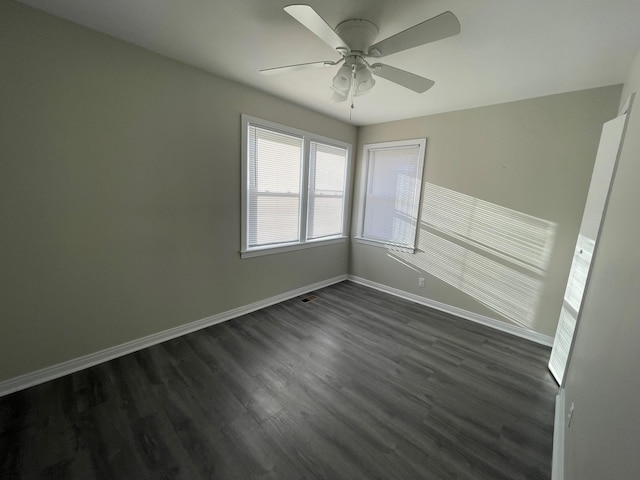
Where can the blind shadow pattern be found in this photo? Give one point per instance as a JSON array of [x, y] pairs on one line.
[[496, 255], [522, 239], [571, 305]]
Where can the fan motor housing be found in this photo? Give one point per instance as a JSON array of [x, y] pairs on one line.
[[358, 34]]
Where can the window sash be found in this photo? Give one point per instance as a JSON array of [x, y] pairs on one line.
[[275, 173], [300, 202], [327, 184], [391, 185]]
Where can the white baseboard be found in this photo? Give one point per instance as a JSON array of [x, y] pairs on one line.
[[55, 371], [459, 312], [557, 463]]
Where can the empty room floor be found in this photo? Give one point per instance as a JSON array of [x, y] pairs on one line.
[[355, 384]]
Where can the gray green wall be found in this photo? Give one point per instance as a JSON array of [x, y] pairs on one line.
[[533, 156], [120, 190], [603, 379], [120, 193]]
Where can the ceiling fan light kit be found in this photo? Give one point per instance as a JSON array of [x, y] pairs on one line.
[[342, 80], [339, 96], [364, 81], [353, 40]]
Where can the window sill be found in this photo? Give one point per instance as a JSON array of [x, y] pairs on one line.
[[260, 251], [388, 246]]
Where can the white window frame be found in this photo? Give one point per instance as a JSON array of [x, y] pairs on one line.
[[362, 195], [307, 137]]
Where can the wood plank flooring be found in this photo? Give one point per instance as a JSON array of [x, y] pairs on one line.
[[356, 384]]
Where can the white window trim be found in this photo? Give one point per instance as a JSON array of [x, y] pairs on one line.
[[362, 194], [387, 245], [308, 137]]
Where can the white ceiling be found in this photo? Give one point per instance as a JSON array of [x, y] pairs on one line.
[[507, 50]]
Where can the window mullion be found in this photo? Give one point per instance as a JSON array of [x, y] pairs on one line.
[[304, 189], [274, 158]]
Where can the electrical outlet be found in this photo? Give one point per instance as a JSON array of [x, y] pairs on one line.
[[421, 282], [570, 415]]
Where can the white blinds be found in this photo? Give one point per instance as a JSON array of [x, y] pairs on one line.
[[392, 195], [327, 172], [275, 171], [294, 189]]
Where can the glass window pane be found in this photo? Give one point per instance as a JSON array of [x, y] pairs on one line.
[[327, 175], [392, 195], [275, 165]]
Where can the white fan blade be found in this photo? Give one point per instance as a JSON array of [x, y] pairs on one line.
[[308, 17], [293, 68], [406, 79], [443, 26]]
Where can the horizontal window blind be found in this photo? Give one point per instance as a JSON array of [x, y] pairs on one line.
[[294, 188], [275, 172], [392, 195], [327, 176]]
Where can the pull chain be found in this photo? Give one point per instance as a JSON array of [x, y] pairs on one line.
[[352, 89]]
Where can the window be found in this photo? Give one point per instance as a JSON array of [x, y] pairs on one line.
[[294, 188], [390, 197]]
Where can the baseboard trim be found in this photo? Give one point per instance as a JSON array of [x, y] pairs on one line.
[[557, 462], [61, 369], [458, 312]]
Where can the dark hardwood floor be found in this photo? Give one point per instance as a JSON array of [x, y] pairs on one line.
[[356, 384]]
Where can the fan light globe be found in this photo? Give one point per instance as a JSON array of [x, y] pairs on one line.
[[342, 80], [364, 80], [338, 96]]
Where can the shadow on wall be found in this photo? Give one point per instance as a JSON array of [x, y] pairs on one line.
[[496, 255]]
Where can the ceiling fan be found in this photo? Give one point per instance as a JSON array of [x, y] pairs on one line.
[[352, 39]]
